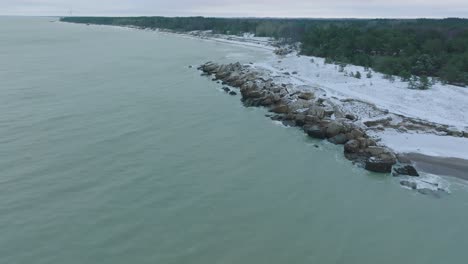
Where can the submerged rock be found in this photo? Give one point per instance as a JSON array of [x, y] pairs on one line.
[[409, 184]]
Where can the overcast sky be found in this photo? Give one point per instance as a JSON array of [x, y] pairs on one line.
[[242, 8]]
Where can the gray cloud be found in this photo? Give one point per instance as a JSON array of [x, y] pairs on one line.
[[243, 8]]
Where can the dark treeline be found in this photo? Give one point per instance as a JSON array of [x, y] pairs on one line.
[[421, 47]]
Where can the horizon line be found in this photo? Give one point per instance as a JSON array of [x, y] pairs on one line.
[[238, 17]]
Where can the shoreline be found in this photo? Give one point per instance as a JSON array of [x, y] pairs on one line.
[[443, 166], [372, 116], [319, 118]]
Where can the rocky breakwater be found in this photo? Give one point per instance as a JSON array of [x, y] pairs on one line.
[[318, 117]]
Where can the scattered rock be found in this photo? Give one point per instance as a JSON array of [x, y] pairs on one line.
[[226, 89], [232, 93], [373, 123], [350, 117]]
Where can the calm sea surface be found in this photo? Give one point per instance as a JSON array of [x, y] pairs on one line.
[[113, 151]]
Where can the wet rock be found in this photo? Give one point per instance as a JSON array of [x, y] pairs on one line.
[[405, 170], [277, 117], [338, 139], [226, 89], [352, 146], [315, 131], [232, 93], [379, 165], [381, 160], [300, 119], [289, 123]]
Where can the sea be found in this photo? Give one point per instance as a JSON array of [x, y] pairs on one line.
[[114, 150]]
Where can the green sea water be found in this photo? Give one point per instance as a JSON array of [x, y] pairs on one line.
[[113, 150]]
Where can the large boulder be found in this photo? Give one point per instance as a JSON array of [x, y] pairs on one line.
[[381, 160], [316, 111], [300, 119], [311, 119], [209, 67], [315, 131], [251, 93], [352, 146], [355, 134], [339, 139], [379, 165], [366, 143], [408, 170], [334, 129]]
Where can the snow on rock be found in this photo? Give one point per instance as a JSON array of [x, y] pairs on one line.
[[443, 104]]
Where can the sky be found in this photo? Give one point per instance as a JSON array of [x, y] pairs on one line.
[[240, 8]]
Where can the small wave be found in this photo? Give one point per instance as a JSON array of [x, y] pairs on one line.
[[429, 181], [278, 123]]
